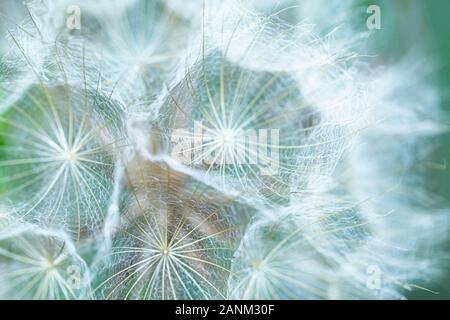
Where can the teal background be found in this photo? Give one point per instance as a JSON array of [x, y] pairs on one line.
[[424, 24]]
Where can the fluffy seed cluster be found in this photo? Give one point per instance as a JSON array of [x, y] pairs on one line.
[[156, 149]]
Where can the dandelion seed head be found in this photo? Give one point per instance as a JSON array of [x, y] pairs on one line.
[[57, 145], [212, 150], [36, 265], [169, 246], [316, 250], [231, 89]]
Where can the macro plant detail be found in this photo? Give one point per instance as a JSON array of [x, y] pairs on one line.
[[57, 157], [40, 264], [158, 150]]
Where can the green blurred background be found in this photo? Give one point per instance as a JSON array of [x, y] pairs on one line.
[[424, 24]]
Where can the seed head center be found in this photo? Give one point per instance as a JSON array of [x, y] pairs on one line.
[[70, 156], [227, 137]]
